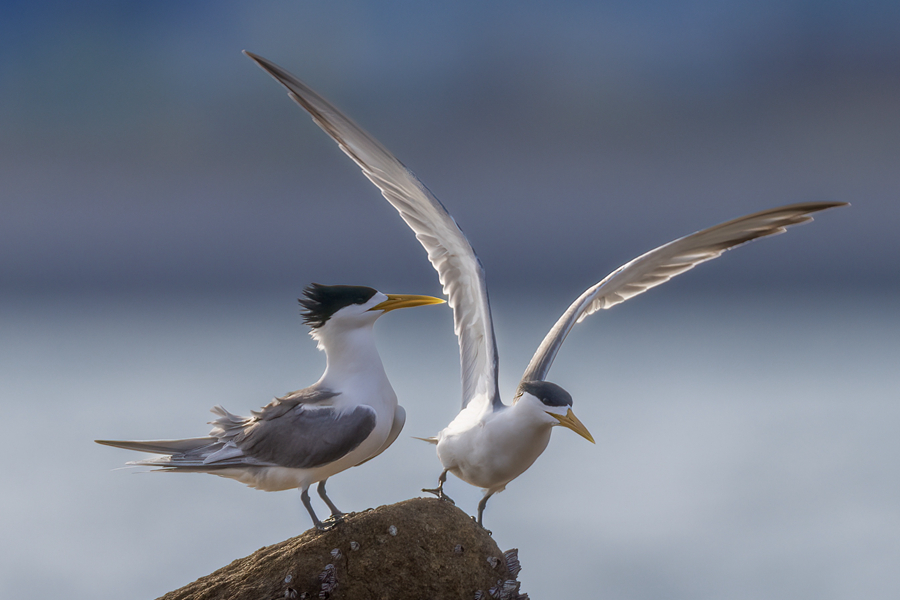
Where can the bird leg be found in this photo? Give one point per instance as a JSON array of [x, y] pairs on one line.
[[336, 515], [439, 490], [304, 497], [481, 506]]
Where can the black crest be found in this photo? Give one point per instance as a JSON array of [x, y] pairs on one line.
[[548, 393], [321, 301]]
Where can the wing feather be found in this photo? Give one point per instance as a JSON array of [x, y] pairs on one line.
[[663, 263], [459, 269], [299, 434], [306, 437]]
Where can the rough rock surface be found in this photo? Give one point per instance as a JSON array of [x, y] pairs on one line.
[[418, 549]]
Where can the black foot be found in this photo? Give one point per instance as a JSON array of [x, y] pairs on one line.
[[326, 525], [440, 494], [334, 519]]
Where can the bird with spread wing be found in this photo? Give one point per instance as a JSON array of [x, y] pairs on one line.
[[490, 443]]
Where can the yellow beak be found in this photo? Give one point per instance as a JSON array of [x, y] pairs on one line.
[[571, 421], [396, 301]]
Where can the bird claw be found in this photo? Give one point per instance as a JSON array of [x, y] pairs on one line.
[[440, 494], [334, 519], [326, 525], [330, 523]]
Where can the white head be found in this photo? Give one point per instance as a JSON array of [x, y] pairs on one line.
[[556, 403], [334, 309]]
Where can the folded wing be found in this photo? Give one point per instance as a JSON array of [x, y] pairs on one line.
[[305, 437]]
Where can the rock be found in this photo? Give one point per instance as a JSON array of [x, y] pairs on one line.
[[418, 549]]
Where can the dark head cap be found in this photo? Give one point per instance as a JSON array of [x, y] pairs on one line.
[[548, 393], [322, 301]]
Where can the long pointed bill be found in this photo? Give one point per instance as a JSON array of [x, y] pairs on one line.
[[396, 301], [571, 421]]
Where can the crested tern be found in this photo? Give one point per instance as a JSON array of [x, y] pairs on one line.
[[490, 443], [349, 416]]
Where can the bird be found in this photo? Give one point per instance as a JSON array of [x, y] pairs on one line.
[[490, 443], [348, 417]]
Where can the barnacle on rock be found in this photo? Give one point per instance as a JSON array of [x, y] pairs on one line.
[[512, 562], [510, 590], [328, 579]]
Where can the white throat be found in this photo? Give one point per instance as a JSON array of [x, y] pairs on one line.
[[350, 355]]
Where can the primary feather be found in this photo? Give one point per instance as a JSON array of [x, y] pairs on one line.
[[663, 263], [459, 270]]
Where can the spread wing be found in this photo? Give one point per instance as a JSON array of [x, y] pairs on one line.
[[459, 269], [662, 264]]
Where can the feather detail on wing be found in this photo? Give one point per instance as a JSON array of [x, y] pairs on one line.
[[663, 263], [282, 405], [306, 436], [459, 269], [192, 454], [162, 446]]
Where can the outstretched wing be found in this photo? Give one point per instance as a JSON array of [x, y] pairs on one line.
[[459, 269], [662, 264]]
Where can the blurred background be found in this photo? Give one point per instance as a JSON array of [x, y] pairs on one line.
[[163, 204]]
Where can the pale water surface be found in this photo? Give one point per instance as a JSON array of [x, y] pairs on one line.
[[746, 448]]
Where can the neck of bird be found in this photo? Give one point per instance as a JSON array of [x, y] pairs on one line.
[[534, 420], [350, 355]]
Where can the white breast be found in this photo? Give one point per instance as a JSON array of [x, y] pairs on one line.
[[494, 448]]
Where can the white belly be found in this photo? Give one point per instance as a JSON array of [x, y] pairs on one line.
[[491, 452]]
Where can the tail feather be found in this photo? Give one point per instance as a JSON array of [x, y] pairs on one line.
[[430, 440], [194, 454], [228, 425], [161, 446]]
